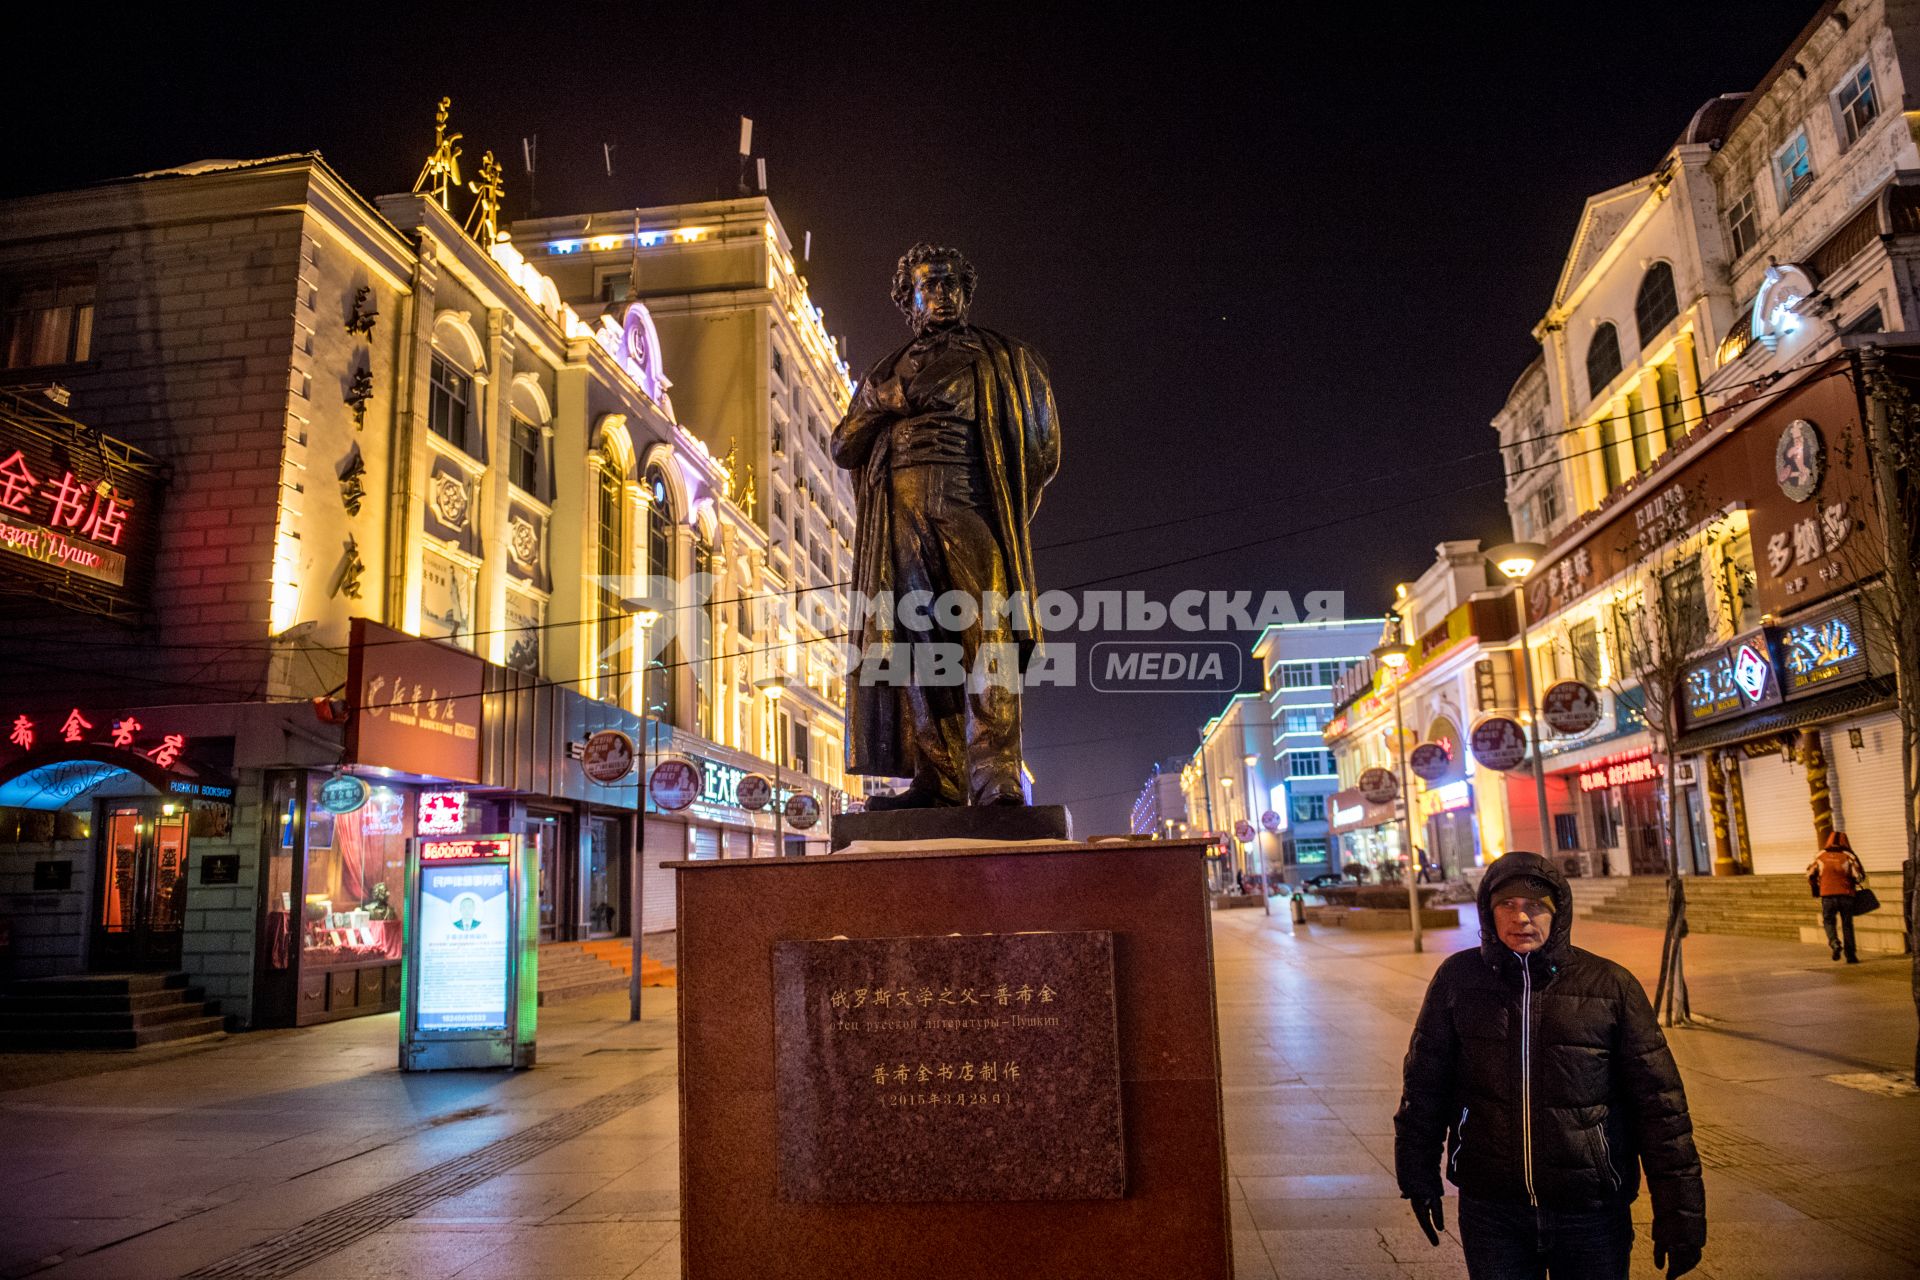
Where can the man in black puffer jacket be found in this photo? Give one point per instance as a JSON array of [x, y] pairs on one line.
[[1542, 1069]]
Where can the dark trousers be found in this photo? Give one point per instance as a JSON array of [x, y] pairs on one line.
[[1518, 1242], [1836, 912], [966, 736]]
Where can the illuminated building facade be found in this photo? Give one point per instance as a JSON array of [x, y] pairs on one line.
[[1161, 807], [1457, 626], [378, 530], [1302, 664], [1697, 409], [757, 372]]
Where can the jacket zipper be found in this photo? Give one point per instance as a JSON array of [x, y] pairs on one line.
[[1526, 1078], [1606, 1154], [1459, 1144]]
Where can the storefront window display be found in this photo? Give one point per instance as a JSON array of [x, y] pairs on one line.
[[355, 881]]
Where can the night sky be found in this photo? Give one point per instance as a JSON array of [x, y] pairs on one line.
[[1283, 281]]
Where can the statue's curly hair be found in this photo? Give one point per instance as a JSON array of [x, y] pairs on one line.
[[925, 252]]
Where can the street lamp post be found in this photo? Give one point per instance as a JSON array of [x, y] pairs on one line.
[[1515, 561], [1394, 657], [1253, 818], [646, 617], [775, 687], [1226, 815]]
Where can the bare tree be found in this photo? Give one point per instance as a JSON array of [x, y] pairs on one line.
[[1684, 591], [1893, 452]]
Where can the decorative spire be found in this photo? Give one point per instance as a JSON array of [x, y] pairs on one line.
[[486, 206], [442, 170], [751, 498]]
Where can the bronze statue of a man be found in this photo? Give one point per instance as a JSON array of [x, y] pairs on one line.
[[951, 438]]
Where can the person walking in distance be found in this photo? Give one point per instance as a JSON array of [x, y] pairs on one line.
[[1539, 1072], [1836, 875]]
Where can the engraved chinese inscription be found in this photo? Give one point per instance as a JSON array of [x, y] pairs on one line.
[[955, 1069]]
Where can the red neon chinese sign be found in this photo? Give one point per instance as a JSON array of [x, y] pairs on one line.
[[124, 734], [1621, 771], [462, 850]]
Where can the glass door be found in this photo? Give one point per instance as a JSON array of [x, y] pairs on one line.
[[546, 833], [600, 879], [141, 854]]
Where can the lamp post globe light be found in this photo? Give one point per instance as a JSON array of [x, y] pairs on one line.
[[1394, 658], [1516, 561]]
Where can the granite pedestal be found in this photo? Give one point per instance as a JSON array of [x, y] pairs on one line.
[[984, 823], [760, 1019]]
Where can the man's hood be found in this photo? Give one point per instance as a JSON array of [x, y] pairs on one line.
[[1508, 868]]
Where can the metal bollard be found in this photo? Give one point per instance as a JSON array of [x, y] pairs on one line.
[[1299, 908]]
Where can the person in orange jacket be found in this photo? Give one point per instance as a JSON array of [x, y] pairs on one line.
[[1835, 876]]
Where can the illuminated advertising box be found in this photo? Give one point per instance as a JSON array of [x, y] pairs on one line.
[[471, 954]]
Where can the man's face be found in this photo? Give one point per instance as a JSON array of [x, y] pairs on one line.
[[1522, 922], [938, 300]]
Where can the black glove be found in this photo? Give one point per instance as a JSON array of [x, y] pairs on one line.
[[1678, 1259], [1431, 1213]]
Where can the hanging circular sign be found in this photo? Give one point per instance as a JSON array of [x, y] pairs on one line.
[[1270, 820], [1570, 707], [802, 811], [753, 792], [1499, 743], [607, 756], [1242, 830], [344, 794], [675, 784], [1430, 761], [1378, 786], [1799, 459]]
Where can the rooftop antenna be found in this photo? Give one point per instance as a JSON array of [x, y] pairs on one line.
[[746, 149], [606, 155], [760, 172], [529, 151], [633, 259]]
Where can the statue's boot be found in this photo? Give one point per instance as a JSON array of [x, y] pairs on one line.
[[923, 794]]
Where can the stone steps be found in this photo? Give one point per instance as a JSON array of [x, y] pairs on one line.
[[106, 1011], [1773, 906], [568, 971]]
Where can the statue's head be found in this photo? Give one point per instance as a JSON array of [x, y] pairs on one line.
[[933, 285]]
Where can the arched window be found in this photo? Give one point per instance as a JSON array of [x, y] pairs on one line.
[[1603, 359], [1655, 306], [663, 670], [453, 399], [613, 665]]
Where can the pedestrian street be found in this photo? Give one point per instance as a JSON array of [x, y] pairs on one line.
[[304, 1152]]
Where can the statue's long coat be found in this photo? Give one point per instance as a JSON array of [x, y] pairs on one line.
[[1019, 433]]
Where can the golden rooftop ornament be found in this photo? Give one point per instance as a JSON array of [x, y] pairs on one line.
[[442, 169], [486, 209]]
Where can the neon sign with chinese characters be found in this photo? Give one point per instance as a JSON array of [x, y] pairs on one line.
[[1621, 772], [49, 514], [124, 733], [1823, 649]]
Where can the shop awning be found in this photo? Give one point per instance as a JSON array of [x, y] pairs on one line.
[[1868, 695]]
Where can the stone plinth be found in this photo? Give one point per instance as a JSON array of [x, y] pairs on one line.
[[897, 1211], [982, 823]]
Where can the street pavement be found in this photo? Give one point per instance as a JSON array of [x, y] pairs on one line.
[[305, 1153]]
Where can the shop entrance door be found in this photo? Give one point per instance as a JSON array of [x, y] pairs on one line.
[[601, 879], [1646, 852], [547, 832], [140, 857]]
